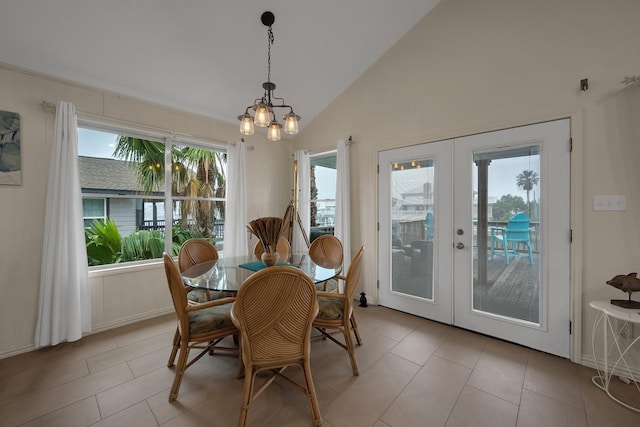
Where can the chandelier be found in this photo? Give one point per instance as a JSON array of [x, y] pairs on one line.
[[264, 115]]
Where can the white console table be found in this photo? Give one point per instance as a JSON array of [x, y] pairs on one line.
[[614, 351]]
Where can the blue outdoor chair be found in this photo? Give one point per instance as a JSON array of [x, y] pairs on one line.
[[428, 226], [517, 231]]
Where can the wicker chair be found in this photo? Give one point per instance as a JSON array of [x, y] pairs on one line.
[[283, 248], [274, 310], [327, 251], [196, 251], [200, 326], [336, 312]]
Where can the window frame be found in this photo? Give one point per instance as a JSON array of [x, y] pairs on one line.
[[169, 139]]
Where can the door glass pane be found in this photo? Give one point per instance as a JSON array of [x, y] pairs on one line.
[[506, 224], [412, 227]]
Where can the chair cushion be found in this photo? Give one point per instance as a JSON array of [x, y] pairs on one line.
[[197, 295], [200, 295], [332, 286], [209, 319], [330, 308]]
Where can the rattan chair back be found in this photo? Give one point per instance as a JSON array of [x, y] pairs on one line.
[[353, 277], [177, 290], [336, 314], [274, 311], [196, 251], [327, 251], [200, 326]]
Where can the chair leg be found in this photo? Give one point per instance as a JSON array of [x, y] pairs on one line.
[[530, 255], [174, 349], [350, 349], [506, 251], [247, 391], [354, 326], [311, 394], [493, 246], [180, 368]]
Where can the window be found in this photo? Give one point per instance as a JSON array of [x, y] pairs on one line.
[[323, 193], [125, 194], [93, 209]]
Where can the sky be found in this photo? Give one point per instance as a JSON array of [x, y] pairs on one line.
[[503, 172], [326, 182], [92, 143], [502, 177]]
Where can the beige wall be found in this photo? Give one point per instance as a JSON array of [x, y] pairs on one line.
[[468, 67], [128, 294], [472, 66]]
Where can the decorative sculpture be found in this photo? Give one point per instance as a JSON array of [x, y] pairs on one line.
[[626, 283], [363, 299]]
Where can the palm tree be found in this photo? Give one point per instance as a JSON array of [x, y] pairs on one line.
[[526, 180], [195, 173], [208, 181], [147, 157]]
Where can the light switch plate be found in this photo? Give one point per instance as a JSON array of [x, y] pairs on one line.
[[610, 203]]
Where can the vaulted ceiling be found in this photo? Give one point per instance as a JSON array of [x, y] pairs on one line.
[[207, 56]]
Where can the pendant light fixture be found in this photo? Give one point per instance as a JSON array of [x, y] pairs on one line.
[[263, 107]]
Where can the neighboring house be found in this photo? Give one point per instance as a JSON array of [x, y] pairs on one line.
[[101, 180]]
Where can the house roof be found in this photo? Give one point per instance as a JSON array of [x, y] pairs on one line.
[[107, 175]]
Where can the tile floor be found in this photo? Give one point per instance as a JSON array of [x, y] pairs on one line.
[[414, 372]]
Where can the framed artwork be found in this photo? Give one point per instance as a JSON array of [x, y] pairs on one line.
[[10, 165]]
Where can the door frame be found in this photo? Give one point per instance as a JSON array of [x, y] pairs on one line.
[[576, 309]]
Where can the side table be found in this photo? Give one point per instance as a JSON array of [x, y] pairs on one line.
[[614, 351]]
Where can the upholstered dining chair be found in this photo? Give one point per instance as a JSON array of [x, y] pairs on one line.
[[196, 251], [336, 315], [274, 310], [327, 251], [200, 326], [283, 248]]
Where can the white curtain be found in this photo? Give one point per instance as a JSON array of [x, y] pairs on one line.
[[304, 200], [342, 228], [235, 220], [65, 299]]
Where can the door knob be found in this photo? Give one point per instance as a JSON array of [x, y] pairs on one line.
[[460, 245]]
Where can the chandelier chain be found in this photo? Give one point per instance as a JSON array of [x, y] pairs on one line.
[[269, 43]]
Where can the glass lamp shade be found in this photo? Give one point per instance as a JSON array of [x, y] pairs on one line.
[[291, 123], [273, 132], [262, 116], [246, 125]]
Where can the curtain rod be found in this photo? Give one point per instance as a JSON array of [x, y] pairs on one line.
[[138, 128], [249, 147]]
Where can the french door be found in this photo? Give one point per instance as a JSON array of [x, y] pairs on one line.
[[474, 232]]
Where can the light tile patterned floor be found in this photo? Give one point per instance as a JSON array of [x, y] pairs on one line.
[[414, 372]]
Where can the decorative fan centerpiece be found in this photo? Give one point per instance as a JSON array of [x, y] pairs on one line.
[[626, 283], [268, 231]]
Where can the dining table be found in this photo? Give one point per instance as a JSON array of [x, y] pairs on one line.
[[228, 274]]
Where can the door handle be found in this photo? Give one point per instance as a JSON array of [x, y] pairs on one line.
[[459, 245]]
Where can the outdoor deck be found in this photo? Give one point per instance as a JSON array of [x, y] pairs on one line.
[[511, 290]]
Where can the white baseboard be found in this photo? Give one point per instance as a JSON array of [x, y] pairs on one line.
[[14, 351], [590, 362], [129, 320]]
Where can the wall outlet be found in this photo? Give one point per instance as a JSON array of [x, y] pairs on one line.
[[609, 203]]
